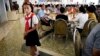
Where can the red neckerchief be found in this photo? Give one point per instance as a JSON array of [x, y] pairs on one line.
[[27, 21]]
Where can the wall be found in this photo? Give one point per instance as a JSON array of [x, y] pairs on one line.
[[20, 2], [95, 1], [80, 1]]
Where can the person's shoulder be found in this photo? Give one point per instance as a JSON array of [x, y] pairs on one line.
[[61, 15], [78, 14], [96, 28], [82, 14], [91, 14], [33, 15], [58, 16], [86, 14], [65, 15]]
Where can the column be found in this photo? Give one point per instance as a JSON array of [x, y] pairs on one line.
[[8, 4], [3, 14]]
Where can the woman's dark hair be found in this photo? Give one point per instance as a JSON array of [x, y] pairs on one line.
[[30, 4], [46, 6], [40, 5], [82, 9], [57, 5], [62, 9], [91, 9]]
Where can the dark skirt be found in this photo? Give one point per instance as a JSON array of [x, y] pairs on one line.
[[32, 39]]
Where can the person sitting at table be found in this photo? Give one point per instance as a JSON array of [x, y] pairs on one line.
[[81, 18], [57, 9], [43, 17], [91, 13], [47, 11], [41, 12], [62, 16]]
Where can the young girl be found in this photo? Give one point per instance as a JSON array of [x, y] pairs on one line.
[[31, 23]]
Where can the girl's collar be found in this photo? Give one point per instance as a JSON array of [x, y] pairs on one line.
[[29, 15]]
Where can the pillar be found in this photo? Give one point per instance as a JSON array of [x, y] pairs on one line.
[[3, 13], [8, 4]]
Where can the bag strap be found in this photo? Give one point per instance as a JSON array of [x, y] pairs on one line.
[[31, 22]]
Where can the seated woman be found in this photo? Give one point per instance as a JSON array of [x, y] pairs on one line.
[[62, 16], [47, 11], [81, 18], [43, 17], [92, 15]]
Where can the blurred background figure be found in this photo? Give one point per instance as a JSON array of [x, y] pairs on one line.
[[15, 6]]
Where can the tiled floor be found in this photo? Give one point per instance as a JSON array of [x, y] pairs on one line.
[[12, 44], [61, 46]]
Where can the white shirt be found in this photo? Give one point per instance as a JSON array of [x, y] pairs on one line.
[[81, 18]]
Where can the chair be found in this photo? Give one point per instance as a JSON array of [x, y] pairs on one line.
[[92, 25], [88, 27], [60, 28], [77, 43]]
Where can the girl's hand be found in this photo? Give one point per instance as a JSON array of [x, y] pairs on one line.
[[25, 34]]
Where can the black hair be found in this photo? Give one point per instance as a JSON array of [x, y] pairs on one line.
[[57, 5], [30, 4], [62, 9], [94, 8], [36, 5], [40, 5], [46, 6], [91, 9], [49, 5], [82, 9]]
